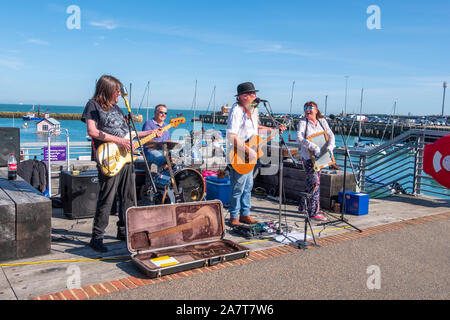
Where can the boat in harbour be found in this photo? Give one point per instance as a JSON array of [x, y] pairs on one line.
[[31, 116]]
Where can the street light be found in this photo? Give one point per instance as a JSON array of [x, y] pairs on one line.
[[443, 98], [345, 104]]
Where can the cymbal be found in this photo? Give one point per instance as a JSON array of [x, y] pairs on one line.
[[157, 145]]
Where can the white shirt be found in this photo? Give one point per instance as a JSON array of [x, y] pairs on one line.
[[241, 125], [305, 144]]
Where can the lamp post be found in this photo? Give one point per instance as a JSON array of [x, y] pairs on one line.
[[443, 98], [345, 103]]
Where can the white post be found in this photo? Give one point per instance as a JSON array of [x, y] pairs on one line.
[[49, 164]]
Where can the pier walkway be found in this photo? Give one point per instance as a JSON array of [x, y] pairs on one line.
[[113, 276]]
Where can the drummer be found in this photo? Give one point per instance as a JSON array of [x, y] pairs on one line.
[[158, 122]]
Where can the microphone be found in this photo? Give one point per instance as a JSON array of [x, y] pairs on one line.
[[123, 91], [257, 101], [124, 94]]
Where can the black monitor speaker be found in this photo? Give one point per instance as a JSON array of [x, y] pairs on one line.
[[79, 193]]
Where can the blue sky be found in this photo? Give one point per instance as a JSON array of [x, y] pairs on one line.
[[223, 43]]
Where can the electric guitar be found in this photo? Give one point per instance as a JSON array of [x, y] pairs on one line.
[[240, 162], [112, 158]]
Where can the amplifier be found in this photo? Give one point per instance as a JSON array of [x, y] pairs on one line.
[[79, 193], [140, 181], [9, 143]]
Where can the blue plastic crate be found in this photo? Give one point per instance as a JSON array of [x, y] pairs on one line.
[[218, 189], [356, 203]]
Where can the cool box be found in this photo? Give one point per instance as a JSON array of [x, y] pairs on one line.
[[218, 189], [356, 203]]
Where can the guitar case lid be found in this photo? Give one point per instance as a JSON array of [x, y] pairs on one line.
[[157, 227]]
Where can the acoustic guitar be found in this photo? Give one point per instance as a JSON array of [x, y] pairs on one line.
[[240, 162], [112, 158]]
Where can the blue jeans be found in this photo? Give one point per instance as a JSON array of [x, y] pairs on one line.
[[155, 156], [241, 193]]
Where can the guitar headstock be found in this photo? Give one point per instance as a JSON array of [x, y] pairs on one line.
[[175, 122]]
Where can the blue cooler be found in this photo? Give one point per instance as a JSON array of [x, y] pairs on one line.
[[356, 203], [218, 189]]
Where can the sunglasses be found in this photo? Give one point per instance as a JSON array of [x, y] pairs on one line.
[[308, 108], [163, 113]]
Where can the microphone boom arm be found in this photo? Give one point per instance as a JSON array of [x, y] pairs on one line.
[[269, 113]]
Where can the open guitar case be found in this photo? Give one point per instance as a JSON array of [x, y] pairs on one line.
[[170, 238]]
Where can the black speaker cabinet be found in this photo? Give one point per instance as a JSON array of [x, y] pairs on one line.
[[140, 182], [9, 143], [79, 193]]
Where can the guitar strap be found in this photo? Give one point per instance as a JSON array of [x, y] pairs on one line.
[[244, 117], [93, 151], [306, 126]]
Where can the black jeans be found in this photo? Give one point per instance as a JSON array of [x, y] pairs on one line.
[[121, 184]]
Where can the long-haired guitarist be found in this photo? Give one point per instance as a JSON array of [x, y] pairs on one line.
[[106, 122], [243, 123]]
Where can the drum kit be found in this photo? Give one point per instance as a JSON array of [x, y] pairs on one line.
[[176, 182]]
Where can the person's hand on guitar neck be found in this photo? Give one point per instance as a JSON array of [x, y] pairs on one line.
[[282, 128], [159, 132], [125, 142]]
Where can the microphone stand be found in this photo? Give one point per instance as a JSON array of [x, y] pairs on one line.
[[346, 154], [132, 127]]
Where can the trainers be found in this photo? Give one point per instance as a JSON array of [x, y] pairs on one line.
[[318, 217], [97, 245]]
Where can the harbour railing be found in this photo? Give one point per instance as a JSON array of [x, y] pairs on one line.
[[79, 150], [395, 166]]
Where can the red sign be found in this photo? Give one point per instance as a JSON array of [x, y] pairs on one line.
[[436, 160]]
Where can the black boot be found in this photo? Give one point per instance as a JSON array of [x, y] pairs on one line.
[[97, 245], [121, 234]]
